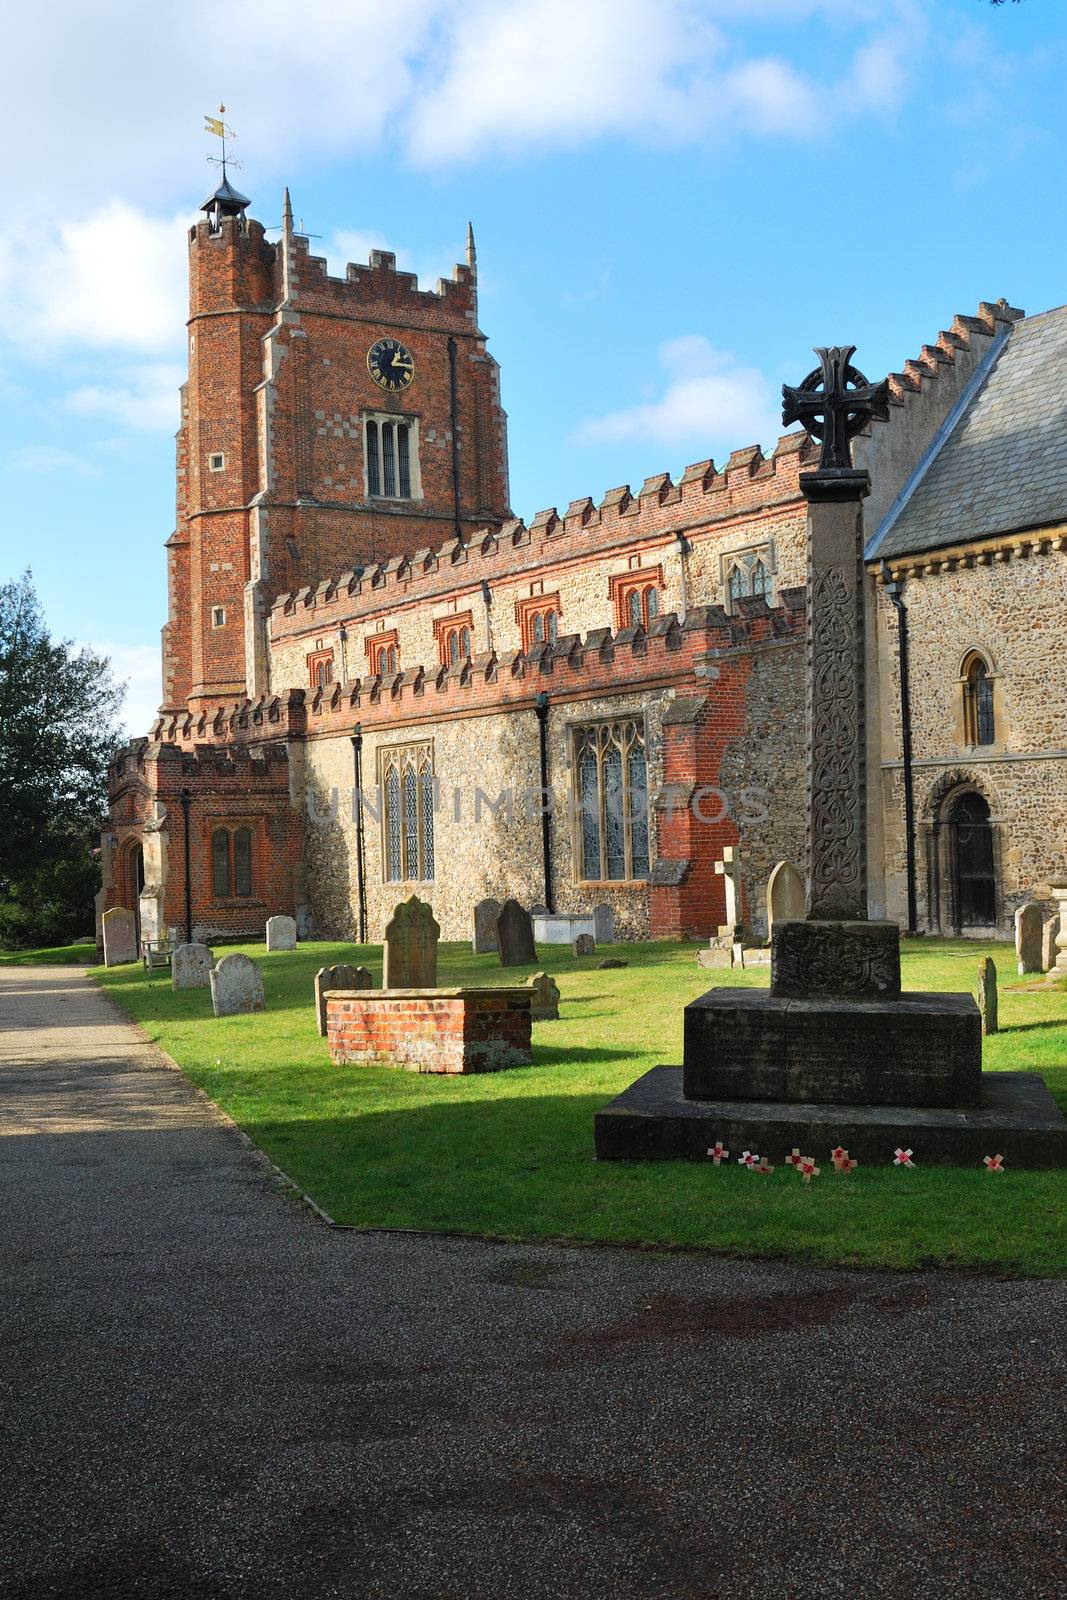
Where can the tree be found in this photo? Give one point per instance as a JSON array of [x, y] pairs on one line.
[[58, 731]]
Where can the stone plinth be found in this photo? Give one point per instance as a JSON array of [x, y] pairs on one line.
[[430, 1030], [1015, 1117], [853, 960], [557, 928], [918, 1050]]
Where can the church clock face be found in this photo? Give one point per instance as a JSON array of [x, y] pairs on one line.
[[390, 365]]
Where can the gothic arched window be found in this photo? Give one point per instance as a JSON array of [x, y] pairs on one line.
[[761, 579], [737, 588], [979, 720]]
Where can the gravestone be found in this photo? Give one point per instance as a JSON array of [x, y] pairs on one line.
[[343, 976], [544, 1007], [410, 949], [785, 895], [281, 933], [584, 945], [729, 870], [190, 967], [1048, 943], [604, 924], [1028, 920], [120, 937], [514, 931], [485, 939], [236, 986], [986, 994]]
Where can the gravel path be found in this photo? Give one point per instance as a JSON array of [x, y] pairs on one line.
[[206, 1392]]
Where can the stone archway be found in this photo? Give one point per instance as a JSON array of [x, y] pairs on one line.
[[963, 851], [131, 879]]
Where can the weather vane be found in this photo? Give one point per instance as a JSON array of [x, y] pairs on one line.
[[219, 128]]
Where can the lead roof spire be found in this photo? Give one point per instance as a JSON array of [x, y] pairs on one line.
[[472, 254]]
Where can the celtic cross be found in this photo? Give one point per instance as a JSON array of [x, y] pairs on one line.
[[833, 403]]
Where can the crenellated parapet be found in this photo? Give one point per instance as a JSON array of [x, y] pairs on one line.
[[310, 286]]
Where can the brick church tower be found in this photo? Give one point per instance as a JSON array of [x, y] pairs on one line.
[[327, 424]]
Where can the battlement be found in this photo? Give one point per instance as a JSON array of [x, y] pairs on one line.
[[943, 352], [669, 652], [377, 282], [703, 494]]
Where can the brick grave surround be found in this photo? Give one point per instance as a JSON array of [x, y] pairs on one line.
[[430, 1030]]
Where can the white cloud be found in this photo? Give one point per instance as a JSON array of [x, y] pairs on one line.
[[50, 459], [138, 666], [711, 399], [143, 397]]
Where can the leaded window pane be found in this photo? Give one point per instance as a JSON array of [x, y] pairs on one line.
[[614, 831], [411, 825], [539, 627], [426, 795], [242, 861], [220, 863], [553, 627], [453, 646], [589, 811], [403, 461], [465, 642], [983, 701], [653, 604], [389, 459], [738, 587], [393, 867], [761, 580], [634, 607], [374, 476], [637, 806]]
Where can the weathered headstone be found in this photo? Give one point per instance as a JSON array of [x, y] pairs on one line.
[[343, 976], [410, 949], [604, 924], [729, 870], [544, 1007], [236, 986], [1048, 943], [190, 967], [485, 915], [514, 931], [986, 994], [1028, 920], [281, 933], [785, 895], [120, 937], [584, 945]]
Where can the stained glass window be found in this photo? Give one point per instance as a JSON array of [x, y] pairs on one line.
[[407, 824], [612, 801], [393, 868], [589, 806], [426, 803], [638, 810], [242, 861], [411, 824]]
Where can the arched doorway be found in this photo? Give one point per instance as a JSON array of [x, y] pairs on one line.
[[133, 882], [971, 862]]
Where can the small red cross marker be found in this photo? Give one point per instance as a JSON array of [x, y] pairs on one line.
[[748, 1160], [794, 1158], [842, 1161], [902, 1158], [993, 1163], [764, 1166], [807, 1168], [718, 1152]]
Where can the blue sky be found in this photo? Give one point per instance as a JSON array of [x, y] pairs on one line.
[[673, 201]]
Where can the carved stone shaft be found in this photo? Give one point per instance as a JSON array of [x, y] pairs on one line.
[[836, 771]]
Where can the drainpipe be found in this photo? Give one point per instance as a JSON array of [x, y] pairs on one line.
[[895, 591], [361, 858], [185, 796], [453, 392], [541, 709], [487, 601], [683, 587]]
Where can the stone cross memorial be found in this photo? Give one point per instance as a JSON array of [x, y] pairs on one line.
[[514, 930], [120, 937], [835, 1054], [729, 870], [410, 950]]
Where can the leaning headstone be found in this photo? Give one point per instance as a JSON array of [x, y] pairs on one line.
[[584, 945], [281, 933], [604, 924], [514, 931], [485, 915], [986, 993], [544, 1007], [190, 967], [343, 976], [1048, 943], [120, 937], [410, 949], [785, 895], [236, 986], [1028, 920]]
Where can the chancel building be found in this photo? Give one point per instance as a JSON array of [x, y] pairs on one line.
[[378, 681]]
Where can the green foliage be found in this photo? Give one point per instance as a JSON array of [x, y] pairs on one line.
[[510, 1154], [57, 734]]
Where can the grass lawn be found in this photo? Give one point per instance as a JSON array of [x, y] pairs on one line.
[[63, 955], [511, 1153]]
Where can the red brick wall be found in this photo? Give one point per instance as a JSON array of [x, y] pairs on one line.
[[450, 1031]]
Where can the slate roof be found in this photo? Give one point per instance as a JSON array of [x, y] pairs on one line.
[[1003, 465]]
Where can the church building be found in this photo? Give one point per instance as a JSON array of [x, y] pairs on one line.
[[378, 681]]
